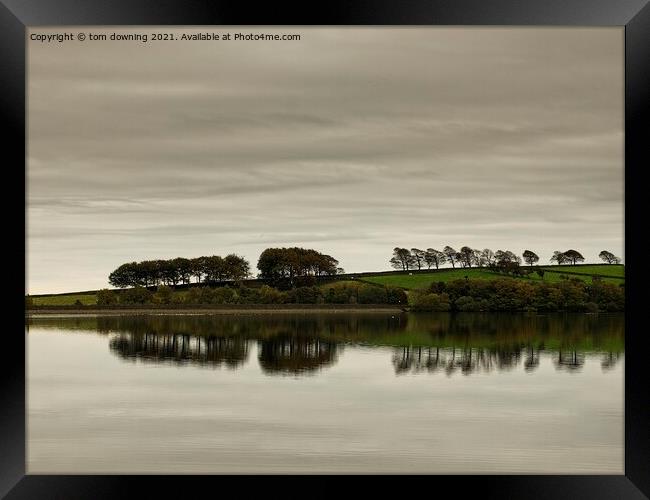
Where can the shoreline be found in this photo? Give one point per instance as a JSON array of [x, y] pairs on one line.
[[215, 309]]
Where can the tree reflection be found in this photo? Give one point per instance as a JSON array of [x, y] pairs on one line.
[[289, 354], [465, 343], [570, 360], [181, 349], [467, 360], [610, 360]]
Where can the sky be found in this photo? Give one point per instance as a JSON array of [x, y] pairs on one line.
[[351, 141]]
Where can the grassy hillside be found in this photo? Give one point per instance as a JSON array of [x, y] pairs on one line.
[[422, 280], [65, 300], [612, 274], [613, 270]]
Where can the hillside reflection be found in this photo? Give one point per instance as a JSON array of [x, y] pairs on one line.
[[294, 344]]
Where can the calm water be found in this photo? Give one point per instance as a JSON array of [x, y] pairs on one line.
[[309, 393]]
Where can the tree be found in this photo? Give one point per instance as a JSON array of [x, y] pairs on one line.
[[168, 272], [402, 257], [530, 257], [214, 268], [559, 257], [434, 257], [148, 273], [506, 256], [451, 254], [236, 267], [124, 276], [418, 256], [507, 261], [477, 258], [574, 256], [487, 257], [326, 264], [183, 268], [396, 263], [282, 265], [466, 256], [197, 266], [609, 257], [272, 264]]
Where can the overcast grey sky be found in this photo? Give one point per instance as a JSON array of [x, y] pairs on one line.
[[351, 141]]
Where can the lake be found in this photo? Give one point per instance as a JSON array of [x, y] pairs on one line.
[[326, 393]]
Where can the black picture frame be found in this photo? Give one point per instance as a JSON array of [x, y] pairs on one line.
[[634, 15]]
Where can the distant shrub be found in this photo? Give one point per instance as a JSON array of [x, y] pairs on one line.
[[395, 295], [178, 298], [362, 293], [136, 295], [340, 293], [199, 295], [608, 296], [466, 303], [270, 295], [306, 295], [223, 295], [368, 294], [431, 302], [518, 295], [78, 303], [163, 295], [106, 297]]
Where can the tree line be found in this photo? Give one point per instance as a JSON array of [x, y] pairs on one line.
[[290, 267], [180, 270], [276, 265], [285, 265], [570, 295], [415, 258], [336, 293]]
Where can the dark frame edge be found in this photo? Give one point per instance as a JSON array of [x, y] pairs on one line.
[[635, 483], [637, 104], [12, 378]]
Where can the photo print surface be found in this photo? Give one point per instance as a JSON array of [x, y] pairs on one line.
[[299, 249]]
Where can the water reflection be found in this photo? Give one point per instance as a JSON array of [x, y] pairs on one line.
[[463, 360], [296, 344], [181, 349], [291, 354], [469, 360]]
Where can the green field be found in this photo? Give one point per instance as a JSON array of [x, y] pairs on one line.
[[613, 270], [65, 300], [422, 280]]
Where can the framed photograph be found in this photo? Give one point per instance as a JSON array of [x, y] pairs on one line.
[[371, 239]]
